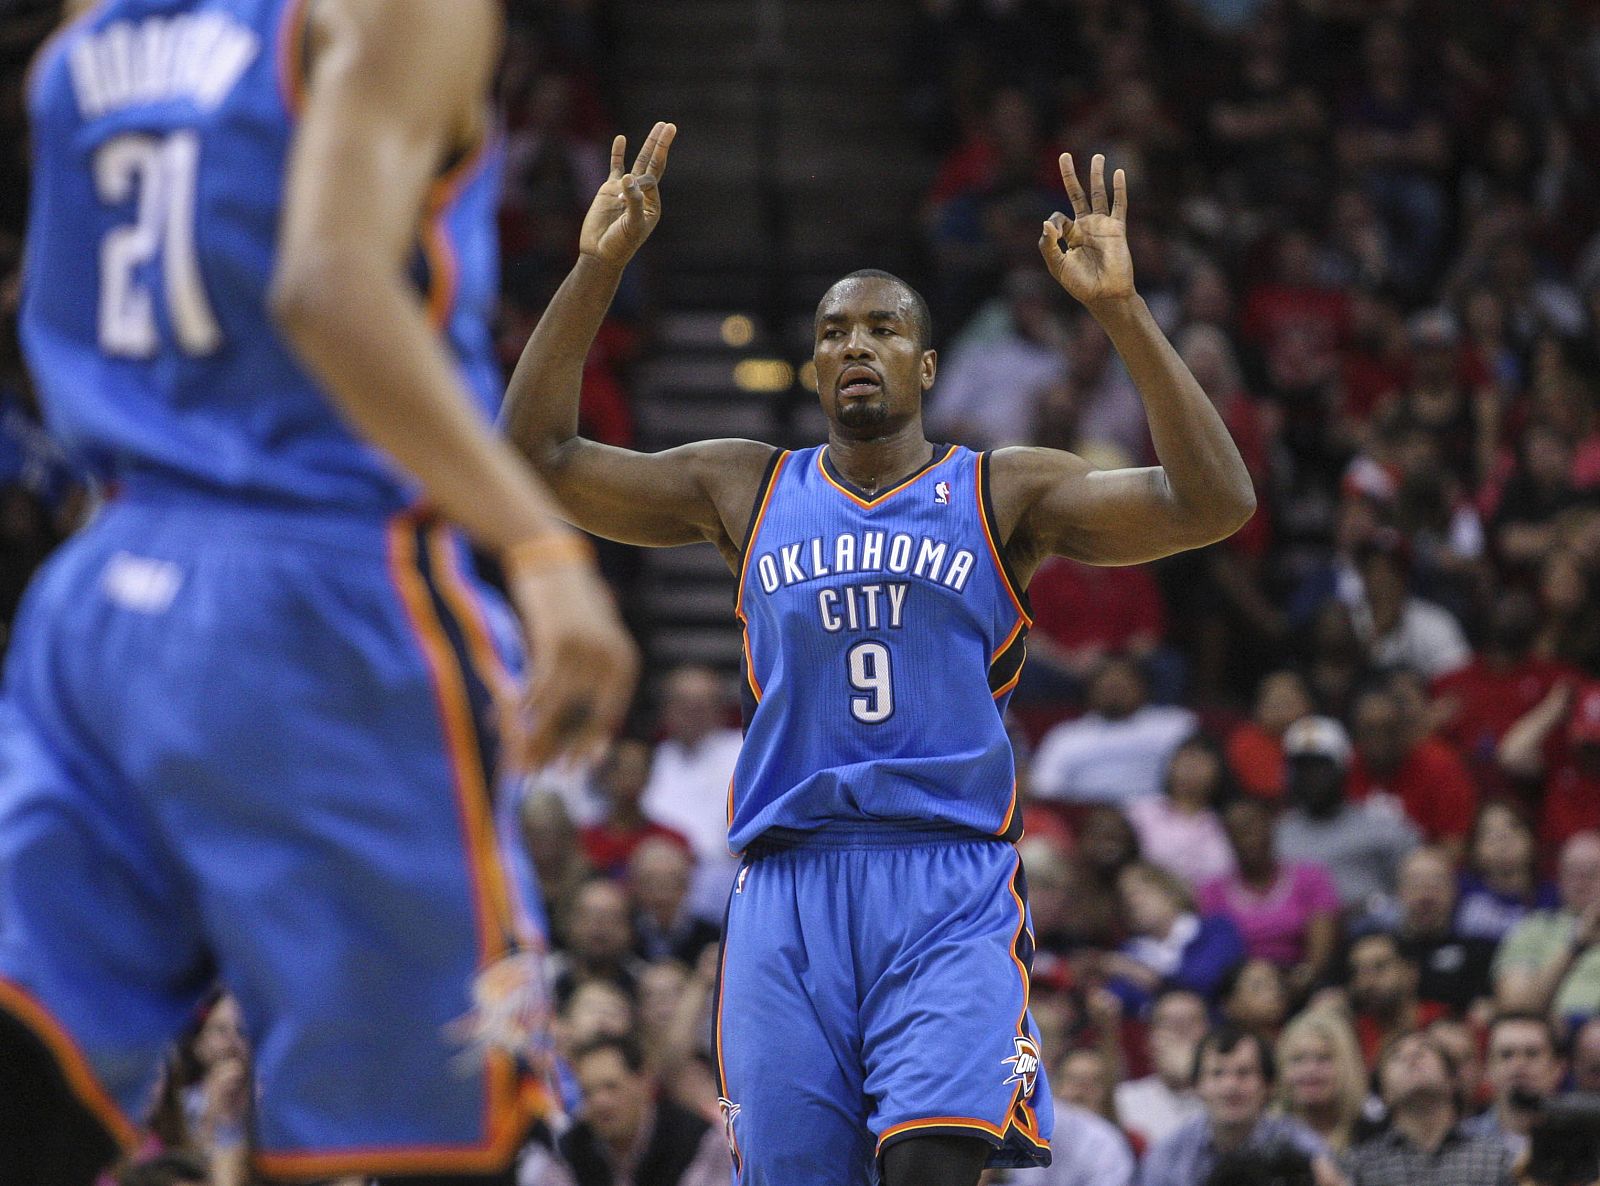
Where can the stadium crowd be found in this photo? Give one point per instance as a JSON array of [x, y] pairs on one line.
[[1313, 815]]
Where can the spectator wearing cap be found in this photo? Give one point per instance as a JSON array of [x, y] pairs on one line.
[[1551, 961], [1393, 756], [1398, 628], [1571, 799], [1116, 752], [1360, 843], [1234, 1077], [1477, 705], [1156, 1105], [1425, 1143]]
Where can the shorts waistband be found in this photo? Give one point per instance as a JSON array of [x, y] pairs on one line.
[[865, 836]]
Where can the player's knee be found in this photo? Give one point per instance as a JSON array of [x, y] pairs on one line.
[[935, 1160], [46, 1134]]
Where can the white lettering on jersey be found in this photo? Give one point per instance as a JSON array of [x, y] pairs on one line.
[[194, 56]]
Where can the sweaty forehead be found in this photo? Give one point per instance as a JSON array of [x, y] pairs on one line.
[[864, 296]]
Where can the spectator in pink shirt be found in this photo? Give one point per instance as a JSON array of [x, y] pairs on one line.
[[1179, 829], [1288, 914]]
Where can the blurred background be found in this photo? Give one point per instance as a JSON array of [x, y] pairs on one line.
[[1372, 229]]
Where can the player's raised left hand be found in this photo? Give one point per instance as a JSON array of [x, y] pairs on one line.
[[1088, 255], [628, 205]]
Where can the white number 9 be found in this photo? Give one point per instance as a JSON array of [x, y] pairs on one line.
[[870, 674]]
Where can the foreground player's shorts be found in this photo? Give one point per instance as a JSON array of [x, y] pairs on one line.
[[874, 992], [255, 745]]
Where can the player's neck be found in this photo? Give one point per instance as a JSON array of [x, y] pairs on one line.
[[878, 463]]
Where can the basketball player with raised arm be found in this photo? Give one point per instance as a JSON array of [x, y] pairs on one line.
[[252, 714], [872, 1020]]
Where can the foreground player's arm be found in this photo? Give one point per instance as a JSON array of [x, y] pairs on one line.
[[395, 86], [686, 495], [1050, 502]]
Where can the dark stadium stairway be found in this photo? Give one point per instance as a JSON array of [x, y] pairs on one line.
[[793, 165]]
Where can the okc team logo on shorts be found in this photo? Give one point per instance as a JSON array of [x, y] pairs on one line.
[[1024, 1065], [941, 493], [738, 886]]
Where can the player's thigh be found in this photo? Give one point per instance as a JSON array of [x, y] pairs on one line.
[[948, 1045], [353, 878], [101, 954], [786, 1029]]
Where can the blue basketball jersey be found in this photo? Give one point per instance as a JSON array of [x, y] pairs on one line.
[[161, 134], [883, 637]]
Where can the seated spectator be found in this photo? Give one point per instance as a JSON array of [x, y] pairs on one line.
[[658, 881], [599, 943], [1501, 884], [624, 1134], [1254, 997], [1524, 1069], [1324, 1084], [609, 842], [1550, 961], [1423, 773], [1085, 1078], [1383, 993], [1161, 1101], [1527, 519], [1569, 628], [1398, 628], [1360, 844], [1586, 1057], [1255, 748], [1179, 829], [1287, 913], [1118, 751], [1107, 844], [1085, 1150], [1081, 614], [1460, 1040], [1558, 741], [1234, 1077], [1454, 971], [1171, 944], [688, 787], [1478, 704], [557, 857], [1425, 1140]]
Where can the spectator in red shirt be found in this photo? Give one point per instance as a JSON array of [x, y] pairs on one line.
[[1477, 705], [1255, 748], [1295, 321], [1571, 801], [609, 843], [1383, 993], [1425, 774]]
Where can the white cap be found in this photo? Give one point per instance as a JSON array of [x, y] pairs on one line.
[[1317, 737]]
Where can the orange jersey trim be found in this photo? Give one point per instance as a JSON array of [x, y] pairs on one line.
[[291, 55], [999, 565], [1011, 812], [437, 247], [750, 543], [80, 1076], [867, 504], [941, 1122]]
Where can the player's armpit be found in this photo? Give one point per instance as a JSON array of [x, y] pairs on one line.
[[699, 492], [1053, 503]]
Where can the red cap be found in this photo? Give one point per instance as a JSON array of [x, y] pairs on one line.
[[1584, 725]]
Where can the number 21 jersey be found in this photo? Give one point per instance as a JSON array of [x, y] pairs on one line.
[[883, 636], [161, 137]]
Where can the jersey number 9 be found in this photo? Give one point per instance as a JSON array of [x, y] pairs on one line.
[[868, 663]]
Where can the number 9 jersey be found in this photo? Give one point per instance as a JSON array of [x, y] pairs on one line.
[[883, 636], [161, 133]]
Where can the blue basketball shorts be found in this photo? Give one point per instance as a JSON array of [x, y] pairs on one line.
[[258, 747], [872, 992]]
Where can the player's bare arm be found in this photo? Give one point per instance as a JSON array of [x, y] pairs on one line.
[[1054, 503], [397, 88], [687, 495]]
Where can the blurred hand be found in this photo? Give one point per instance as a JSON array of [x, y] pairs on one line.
[[582, 660], [628, 206], [1089, 255]]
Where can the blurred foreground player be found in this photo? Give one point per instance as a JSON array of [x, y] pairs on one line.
[[252, 716], [873, 1008]]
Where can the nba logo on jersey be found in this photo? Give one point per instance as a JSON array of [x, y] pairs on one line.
[[941, 494], [1024, 1065]]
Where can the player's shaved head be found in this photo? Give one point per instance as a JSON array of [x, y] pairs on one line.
[[911, 300]]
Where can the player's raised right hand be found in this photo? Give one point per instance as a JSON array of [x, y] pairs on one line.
[[628, 206], [582, 662]]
